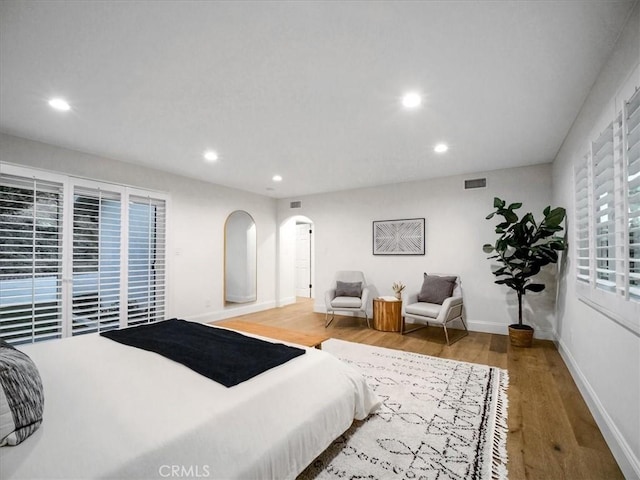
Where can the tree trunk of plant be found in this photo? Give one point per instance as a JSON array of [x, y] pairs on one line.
[[520, 308]]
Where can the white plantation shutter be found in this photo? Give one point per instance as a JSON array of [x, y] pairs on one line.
[[146, 260], [604, 210], [583, 252], [96, 260], [30, 259], [607, 219], [632, 131]]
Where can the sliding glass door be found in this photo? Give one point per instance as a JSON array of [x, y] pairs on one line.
[[78, 256]]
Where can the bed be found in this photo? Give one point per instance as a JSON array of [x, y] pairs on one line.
[[114, 411]]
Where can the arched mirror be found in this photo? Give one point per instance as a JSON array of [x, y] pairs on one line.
[[240, 259]]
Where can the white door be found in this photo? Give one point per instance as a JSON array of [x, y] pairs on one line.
[[303, 260]]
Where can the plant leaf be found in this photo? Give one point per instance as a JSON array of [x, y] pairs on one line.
[[513, 206], [488, 248], [535, 287], [509, 216], [497, 203], [555, 217]]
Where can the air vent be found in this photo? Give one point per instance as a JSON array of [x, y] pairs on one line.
[[297, 204], [475, 183]]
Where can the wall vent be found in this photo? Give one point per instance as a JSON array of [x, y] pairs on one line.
[[297, 204], [475, 183]]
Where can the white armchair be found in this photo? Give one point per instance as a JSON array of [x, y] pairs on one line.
[[423, 308], [349, 294]]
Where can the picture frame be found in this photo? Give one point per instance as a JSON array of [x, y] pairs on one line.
[[399, 237]]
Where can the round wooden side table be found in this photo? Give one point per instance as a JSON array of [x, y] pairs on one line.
[[387, 315]]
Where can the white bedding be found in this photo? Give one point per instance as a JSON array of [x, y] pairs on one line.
[[113, 411]]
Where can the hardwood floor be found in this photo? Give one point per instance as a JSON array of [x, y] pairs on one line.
[[552, 434]]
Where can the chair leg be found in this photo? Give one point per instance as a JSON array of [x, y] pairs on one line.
[[462, 336], [327, 320], [403, 331], [367, 318], [465, 327], [464, 324]]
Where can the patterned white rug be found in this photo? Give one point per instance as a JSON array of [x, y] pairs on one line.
[[440, 419]]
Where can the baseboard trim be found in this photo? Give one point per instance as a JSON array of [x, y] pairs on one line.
[[286, 301], [628, 462]]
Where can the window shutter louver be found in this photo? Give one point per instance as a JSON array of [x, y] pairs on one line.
[[96, 260], [31, 259], [633, 193], [147, 260]]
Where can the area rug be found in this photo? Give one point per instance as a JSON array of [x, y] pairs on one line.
[[439, 419]]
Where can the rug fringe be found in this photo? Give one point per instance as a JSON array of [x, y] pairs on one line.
[[499, 462]]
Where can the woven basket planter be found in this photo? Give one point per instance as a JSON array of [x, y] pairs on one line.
[[520, 336]]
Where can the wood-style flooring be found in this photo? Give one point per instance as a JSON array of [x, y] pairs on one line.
[[552, 434]]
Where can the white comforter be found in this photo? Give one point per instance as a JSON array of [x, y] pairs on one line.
[[113, 411]]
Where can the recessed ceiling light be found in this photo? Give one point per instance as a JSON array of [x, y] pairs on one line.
[[440, 148], [411, 100], [277, 178], [59, 104], [210, 155]]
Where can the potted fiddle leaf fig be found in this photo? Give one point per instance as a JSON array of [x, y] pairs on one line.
[[522, 248]]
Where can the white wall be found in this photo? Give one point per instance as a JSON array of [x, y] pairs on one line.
[[196, 218], [456, 229], [604, 357]]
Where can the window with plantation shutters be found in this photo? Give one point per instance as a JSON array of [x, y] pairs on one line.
[[607, 219], [632, 150], [30, 259], [96, 260], [78, 256], [146, 264]]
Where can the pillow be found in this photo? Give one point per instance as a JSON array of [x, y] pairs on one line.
[[347, 289], [436, 289], [21, 396]]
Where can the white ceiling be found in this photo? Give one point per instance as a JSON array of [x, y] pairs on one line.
[[307, 90]]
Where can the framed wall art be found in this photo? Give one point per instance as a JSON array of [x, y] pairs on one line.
[[398, 237]]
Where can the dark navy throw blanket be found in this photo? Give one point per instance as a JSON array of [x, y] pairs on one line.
[[223, 356]]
